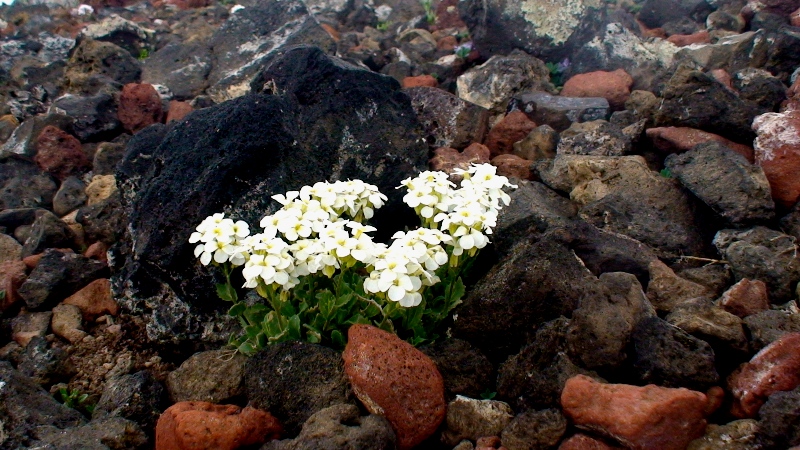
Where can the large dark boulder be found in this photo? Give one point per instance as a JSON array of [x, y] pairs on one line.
[[322, 119]]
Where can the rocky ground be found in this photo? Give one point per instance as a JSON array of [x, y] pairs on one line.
[[640, 291]]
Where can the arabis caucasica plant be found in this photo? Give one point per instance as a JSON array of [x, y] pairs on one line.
[[319, 270]]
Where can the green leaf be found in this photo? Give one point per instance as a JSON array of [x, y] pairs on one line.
[[338, 339], [294, 328], [237, 309], [325, 302], [255, 313], [226, 292], [246, 349], [456, 293]]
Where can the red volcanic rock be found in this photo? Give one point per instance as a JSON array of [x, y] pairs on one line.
[[94, 300], [422, 80], [12, 275], [775, 368], [207, 426], [779, 7], [512, 166], [447, 43], [178, 110], [97, 251], [792, 102], [723, 77], [584, 442], [512, 128], [745, 298], [395, 380], [139, 106], [60, 153], [682, 40], [613, 86], [646, 418], [683, 139], [794, 19], [777, 151], [448, 159]]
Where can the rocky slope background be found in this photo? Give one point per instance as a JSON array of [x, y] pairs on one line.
[[640, 292]]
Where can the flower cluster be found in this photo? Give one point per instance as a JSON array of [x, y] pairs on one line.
[[222, 240]]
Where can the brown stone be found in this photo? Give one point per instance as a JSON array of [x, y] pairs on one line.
[[207, 426], [745, 298], [777, 151], [32, 261], [514, 127], [775, 368], [584, 442], [667, 290], [332, 32], [97, 251], [60, 153], [512, 166], [683, 139], [139, 106], [448, 159], [395, 380], [716, 396], [682, 40], [12, 275], [447, 43], [613, 86], [422, 80], [100, 188], [647, 418], [178, 110], [794, 18], [723, 77], [94, 300], [792, 102]]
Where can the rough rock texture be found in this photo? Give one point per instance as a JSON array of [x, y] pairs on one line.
[[768, 326], [683, 139], [534, 429], [704, 320], [137, 397], [57, 276], [248, 40], [666, 290], [465, 369], [448, 121], [468, 418], [737, 435], [780, 419], [95, 63], [762, 254], [310, 375], [139, 106], [745, 298], [337, 427], [596, 138], [24, 185], [60, 154], [99, 434], [94, 300], [613, 86], [355, 124], [393, 379], [514, 127], [448, 159], [560, 112], [201, 425], [214, 376], [649, 417], [777, 151], [182, 67], [775, 368]]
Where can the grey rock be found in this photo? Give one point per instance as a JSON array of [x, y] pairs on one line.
[[312, 376], [213, 376], [597, 137], [535, 377], [704, 320], [724, 20], [447, 120], [103, 221], [67, 323], [494, 83], [617, 47], [57, 276], [560, 112], [779, 419], [253, 36], [667, 291], [51, 48], [23, 139], [10, 248], [547, 30], [95, 65], [48, 231], [538, 144], [103, 434], [731, 53], [766, 327], [762, 254], [355, 125], [182, 67], [70, 195], [137, 397], [340, 426], [668, 356], [107, 156], [716, 277], [464, 369], [600, 329], [95, 115], [656, 13], [760, 87], [535, 283], [725, 181], [45, 363], [737, 435], [695, 99], [468, 418], [25, 407], [30, 325], [534, 430], [781, 59], [120, 31]]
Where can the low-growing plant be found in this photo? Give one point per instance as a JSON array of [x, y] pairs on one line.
[[72, 398], [430, 12], [319, 271], [665, 172], [463, 50], [382, 25], [143, 54], [557, 71]]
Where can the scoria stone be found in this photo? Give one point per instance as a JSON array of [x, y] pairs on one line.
[[647, 418], [203, 425], [745, 298], [139, 106], [682, 139], [94, 300], [777, 150], [60, 153], [775, 368], [395, 380], [613, 86], [512, 128]]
